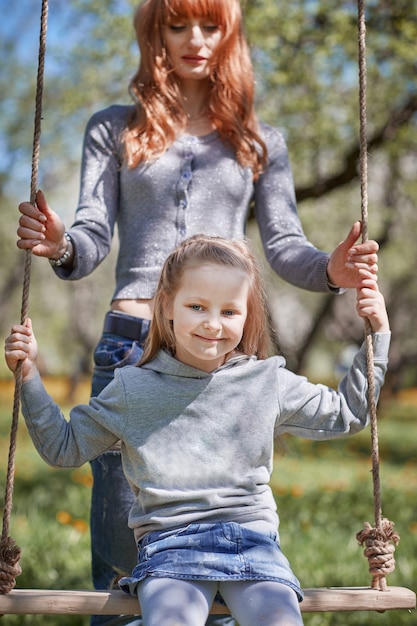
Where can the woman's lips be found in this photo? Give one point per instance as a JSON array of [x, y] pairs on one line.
[[193, 59]]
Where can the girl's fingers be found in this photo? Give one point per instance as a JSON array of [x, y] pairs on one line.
[[361, 265], [19, 338], [17, 355], [368, 285], [23, 329]]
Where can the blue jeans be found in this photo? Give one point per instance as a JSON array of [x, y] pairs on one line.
[[113, 547]]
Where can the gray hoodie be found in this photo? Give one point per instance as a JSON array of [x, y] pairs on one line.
[[197, 446]]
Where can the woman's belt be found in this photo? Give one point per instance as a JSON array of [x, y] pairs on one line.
[[127, 326]]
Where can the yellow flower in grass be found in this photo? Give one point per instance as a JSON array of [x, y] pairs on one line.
[[63, 517], [335, 486], [82, 477], [80, 525], [297, 491]]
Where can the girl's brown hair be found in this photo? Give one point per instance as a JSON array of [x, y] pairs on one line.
[[159, 114], [203, 250]]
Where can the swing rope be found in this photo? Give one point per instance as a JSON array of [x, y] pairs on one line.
[[379, 540], [9, 550]]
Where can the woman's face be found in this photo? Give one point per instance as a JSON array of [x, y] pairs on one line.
[[191, 44]]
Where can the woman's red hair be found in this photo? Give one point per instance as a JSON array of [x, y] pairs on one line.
[[154, 87]]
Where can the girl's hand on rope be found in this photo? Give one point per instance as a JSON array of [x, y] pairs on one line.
[[370, 302], [21, 345], [41, 229], [349, 257]]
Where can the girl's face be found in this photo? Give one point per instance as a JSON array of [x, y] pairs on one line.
[[191, 44], [209, 312]]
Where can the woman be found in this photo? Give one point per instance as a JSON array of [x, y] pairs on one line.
[[189, 156]]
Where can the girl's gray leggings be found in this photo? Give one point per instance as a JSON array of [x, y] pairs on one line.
[[172, 602]]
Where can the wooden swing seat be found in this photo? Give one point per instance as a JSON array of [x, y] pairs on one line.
[[76, 602]]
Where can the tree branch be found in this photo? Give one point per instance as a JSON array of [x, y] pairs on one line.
[[349, 171]]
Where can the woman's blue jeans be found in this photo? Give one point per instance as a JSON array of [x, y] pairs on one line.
[[113, 547]]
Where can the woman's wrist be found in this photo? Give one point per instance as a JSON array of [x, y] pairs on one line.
[[66, 255], [330, 282]]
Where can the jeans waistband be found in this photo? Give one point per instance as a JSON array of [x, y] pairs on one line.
[[127, 326]]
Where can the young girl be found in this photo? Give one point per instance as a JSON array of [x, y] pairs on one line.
[[197, 418], [188, 156]]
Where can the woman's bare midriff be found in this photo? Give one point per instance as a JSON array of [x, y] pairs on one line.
[[138, 308]]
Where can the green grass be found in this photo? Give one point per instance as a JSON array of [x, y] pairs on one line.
[[324, 496]]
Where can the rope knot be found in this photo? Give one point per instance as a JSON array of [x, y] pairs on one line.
[[9, 564], [379, 549]]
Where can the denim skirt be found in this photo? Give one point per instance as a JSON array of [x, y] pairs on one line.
[[222, 551]]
